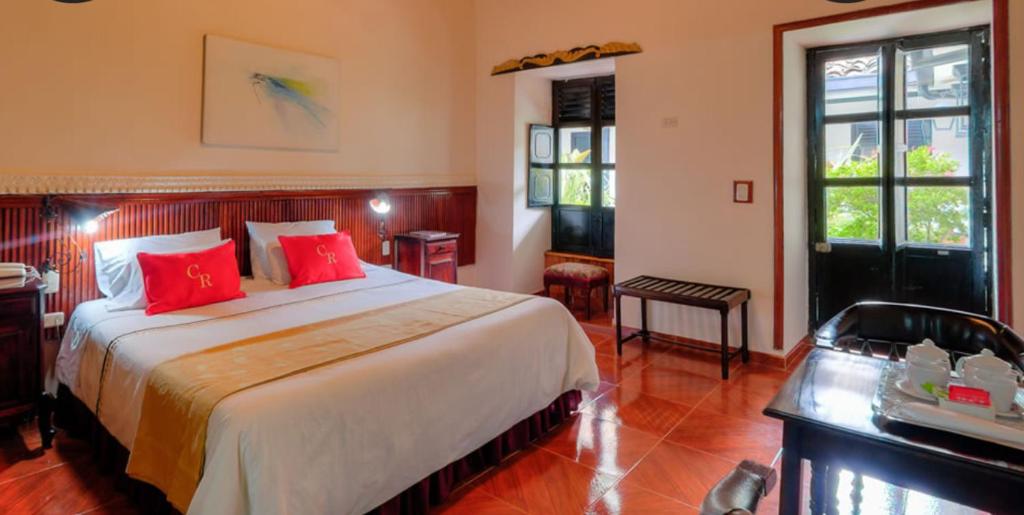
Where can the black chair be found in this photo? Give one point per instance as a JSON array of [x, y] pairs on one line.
[[739, 492], [887, 327]]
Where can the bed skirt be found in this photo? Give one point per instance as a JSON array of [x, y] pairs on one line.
[[76, 420]]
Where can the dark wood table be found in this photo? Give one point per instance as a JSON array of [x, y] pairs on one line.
[[825, 407], [709, 296]]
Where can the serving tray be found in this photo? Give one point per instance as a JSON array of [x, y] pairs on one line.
[[889, 396]]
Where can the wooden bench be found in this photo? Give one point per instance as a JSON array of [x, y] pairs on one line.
[[709, 296]]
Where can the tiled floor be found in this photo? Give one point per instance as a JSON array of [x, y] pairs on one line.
[[653, 439], [658, 433]]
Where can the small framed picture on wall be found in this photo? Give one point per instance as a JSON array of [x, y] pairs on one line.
[[743, 192]]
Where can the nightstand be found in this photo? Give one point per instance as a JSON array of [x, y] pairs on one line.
[[430, 254], [21, 356]]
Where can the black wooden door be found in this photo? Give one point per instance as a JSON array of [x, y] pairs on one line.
[[899, 181], [583, 214]]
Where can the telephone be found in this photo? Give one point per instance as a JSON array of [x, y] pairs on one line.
[[13, 270], [14, 275]]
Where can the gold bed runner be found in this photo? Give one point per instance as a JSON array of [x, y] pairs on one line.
[[181, 393]]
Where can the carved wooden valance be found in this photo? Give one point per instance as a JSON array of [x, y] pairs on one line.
[[584, 53]]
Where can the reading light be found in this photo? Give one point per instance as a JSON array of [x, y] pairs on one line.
[[91, 226], [66, 254], [381, 205], [89, 216], [86, 214]]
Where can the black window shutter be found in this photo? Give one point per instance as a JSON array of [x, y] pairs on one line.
[[540, 184], [606, 90], [573, 102]]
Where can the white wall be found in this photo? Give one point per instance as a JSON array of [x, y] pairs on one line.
[[710, 66], [515, 237], [495, 151], [531, 226], [794, 185]]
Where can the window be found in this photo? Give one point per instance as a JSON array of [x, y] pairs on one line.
[[926, 105], [583, 210]]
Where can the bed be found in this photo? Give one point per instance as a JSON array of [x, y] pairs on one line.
[[344, 437]]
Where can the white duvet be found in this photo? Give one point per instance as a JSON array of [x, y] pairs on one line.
[[346, 437]]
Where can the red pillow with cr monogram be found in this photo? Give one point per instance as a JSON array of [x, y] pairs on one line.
[[320, 258], [178, 281]]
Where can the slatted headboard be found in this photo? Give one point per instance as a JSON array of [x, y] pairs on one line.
[[28, 238]]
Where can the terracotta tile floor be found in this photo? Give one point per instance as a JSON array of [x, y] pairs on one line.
[[658, 433]]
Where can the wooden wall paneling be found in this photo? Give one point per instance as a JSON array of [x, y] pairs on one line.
[[26, 237]]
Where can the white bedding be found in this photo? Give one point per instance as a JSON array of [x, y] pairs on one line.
[[346, 437]]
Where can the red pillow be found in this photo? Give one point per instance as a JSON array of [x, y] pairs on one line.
[[320, 258], [178, 281]]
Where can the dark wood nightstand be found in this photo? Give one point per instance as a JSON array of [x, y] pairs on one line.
[[21, 356], [434, 256]]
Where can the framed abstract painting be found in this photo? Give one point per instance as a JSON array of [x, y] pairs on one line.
[[257, 96]]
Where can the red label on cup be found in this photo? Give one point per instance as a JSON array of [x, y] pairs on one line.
[[969, 395]]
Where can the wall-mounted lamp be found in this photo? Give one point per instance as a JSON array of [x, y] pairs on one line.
[[381, 205], [66, 254], [86, 214]]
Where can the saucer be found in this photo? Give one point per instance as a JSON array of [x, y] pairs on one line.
[[1015, 412], [903, 385]]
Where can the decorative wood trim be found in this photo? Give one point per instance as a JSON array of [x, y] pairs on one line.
[[30, 238], [583, 53], [145, 183], [1001, 107], [778, 194], [1001, 153]]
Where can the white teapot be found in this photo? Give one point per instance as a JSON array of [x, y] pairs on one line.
[[986, 360], [991, 374], [927, 363]]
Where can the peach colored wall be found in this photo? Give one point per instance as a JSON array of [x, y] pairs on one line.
[[115, 86], [710, 66]]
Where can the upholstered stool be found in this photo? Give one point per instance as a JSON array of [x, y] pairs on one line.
[[577, 275]]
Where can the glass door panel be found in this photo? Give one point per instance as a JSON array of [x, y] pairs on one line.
[[938, 215], [935, 77], [852, 84]]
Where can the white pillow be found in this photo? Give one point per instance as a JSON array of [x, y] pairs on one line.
[[265, 250], [133, 296], [113, 258]]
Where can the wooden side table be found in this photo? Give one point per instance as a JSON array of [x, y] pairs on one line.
[[21, 356], [433, 256]]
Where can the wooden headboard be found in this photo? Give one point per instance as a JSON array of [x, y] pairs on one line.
[[29, 238]]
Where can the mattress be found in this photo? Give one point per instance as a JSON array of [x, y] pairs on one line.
[[345, 437]]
